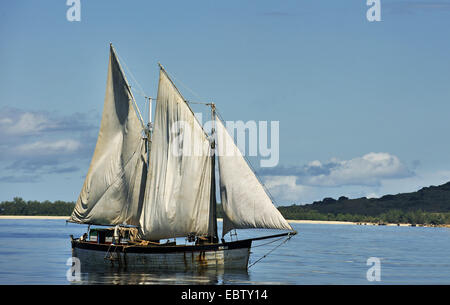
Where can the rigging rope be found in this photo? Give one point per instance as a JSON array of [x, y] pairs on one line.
[[140, 91], [265, 255], [199, 103], [185, 86], [267, 243]]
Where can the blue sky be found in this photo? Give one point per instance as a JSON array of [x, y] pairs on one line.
[[363, 106]]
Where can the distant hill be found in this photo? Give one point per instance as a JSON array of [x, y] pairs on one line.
[[429, 205]]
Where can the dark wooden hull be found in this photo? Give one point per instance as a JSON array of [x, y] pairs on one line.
[[228, 255]]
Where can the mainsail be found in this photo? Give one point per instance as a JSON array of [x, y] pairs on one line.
[[177, 200], [245, 202], [114, 187]]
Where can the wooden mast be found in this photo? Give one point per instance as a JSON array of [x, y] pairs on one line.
[[214, 238], [149, 130]]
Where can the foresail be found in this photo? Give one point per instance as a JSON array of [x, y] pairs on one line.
[[114, 186], [245, 202], [177, 198]]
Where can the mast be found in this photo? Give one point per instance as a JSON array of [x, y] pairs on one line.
[[149, 125], [213, 208], [149, 129]]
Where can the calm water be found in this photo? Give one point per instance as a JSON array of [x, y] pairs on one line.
[[36, 252]]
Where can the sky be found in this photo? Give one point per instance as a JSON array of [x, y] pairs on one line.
[[363, 107]]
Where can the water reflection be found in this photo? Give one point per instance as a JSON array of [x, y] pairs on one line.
[[199, 277]]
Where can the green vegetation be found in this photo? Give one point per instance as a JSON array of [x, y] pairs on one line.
[[35, 208], [429, 205]]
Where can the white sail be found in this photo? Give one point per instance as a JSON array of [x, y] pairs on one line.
[[245, 202], [114, 187], [177, 198]]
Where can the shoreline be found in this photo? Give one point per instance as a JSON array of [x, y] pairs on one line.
[[32, 217], [366, 223], [332, 222]]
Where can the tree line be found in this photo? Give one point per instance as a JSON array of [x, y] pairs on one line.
[[391, 216], [18, 206]]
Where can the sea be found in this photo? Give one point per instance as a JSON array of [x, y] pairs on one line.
[[38, 252]]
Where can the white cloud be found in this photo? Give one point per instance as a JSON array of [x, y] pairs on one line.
[[49, 147], [17, 122], [26, 124], [284, 188], [357, 177], [4, 122], [36, 143], [315, 163], [369, 169]]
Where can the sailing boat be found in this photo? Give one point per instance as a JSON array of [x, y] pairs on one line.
[[145, 193]]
